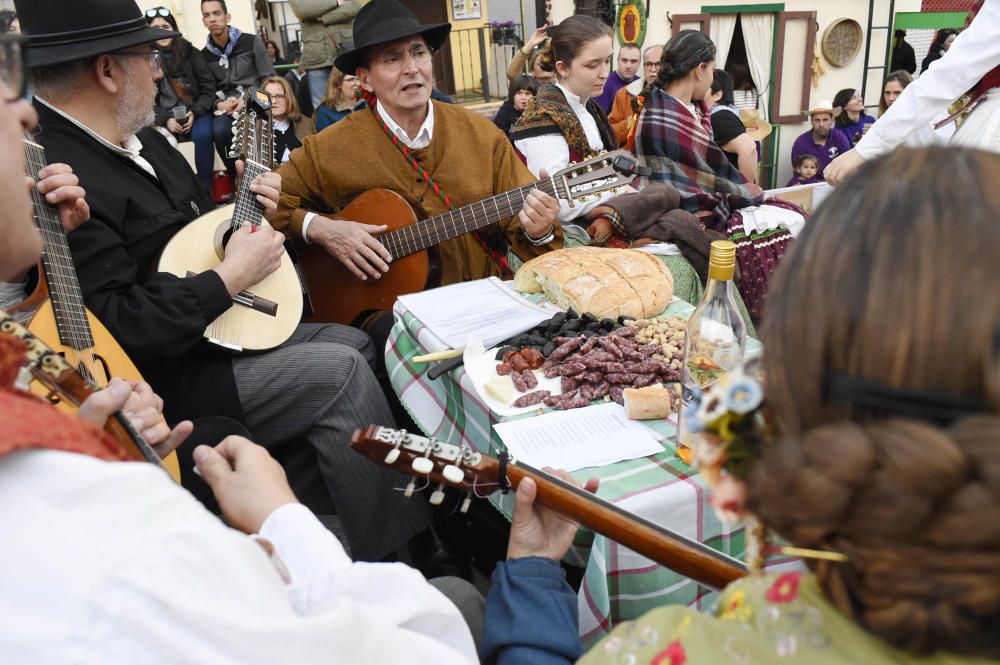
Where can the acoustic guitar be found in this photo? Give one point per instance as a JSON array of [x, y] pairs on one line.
[[339, 297], [481, 474], [59, 312], [50, 368], [266, 314]]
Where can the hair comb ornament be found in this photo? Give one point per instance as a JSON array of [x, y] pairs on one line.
[[732, 426]]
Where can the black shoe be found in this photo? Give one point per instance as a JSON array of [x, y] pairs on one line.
[[434, 558]]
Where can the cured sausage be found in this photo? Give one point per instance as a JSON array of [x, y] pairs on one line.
[[531, 398]]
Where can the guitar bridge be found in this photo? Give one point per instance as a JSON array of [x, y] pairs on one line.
[[254, 302]]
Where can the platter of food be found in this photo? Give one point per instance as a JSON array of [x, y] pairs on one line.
[[574, 360]]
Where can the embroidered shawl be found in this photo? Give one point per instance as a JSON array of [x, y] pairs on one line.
[[682, 151], [549, 113]]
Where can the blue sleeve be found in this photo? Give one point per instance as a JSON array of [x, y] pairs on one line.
[[531, 615]]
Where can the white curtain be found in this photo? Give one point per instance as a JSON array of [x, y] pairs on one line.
[[758, 33], [721, 28]]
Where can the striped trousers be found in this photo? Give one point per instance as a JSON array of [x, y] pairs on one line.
[[315, 390]]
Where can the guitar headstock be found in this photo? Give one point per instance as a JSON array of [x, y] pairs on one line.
[[47, 366], [583, 181], [253, 129], [433, 460]]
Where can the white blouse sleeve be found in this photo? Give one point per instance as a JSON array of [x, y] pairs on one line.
[[207, 595], [973, 53], [551, 153]]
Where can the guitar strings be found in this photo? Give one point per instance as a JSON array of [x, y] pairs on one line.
[[70, 314], [429, 232]]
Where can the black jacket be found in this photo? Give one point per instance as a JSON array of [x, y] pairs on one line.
[[249, 65], [903, 58], [157, 318], [194, 73], [506, 116]]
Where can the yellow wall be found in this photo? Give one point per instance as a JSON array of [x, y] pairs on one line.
[[468, 71]]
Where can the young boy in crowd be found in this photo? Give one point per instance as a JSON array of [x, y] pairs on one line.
[[806, 167]]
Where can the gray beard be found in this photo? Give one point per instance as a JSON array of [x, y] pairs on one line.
[[133, 112]]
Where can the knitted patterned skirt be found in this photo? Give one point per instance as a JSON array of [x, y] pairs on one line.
[[758, 255]]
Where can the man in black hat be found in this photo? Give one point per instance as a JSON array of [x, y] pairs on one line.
[[460, 151], [92, 67]]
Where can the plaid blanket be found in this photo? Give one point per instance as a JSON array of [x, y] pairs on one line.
[[681, 150]]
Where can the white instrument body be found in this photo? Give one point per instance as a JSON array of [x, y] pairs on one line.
[[193, 249]]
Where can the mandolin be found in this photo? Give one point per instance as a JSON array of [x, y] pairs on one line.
[[58, 312], [50, 368], [339, 297], [266, 314], [480, 474]]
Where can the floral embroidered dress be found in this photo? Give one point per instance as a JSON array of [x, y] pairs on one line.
[[776, 618]]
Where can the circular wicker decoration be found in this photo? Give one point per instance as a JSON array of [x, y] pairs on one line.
[[842, 41]]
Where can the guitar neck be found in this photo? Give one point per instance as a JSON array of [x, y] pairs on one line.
[[248, 211], [687, 557], [57, 262], [429, 232]]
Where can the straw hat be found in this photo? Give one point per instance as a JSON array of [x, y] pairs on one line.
[[757, 128], [824, 106]]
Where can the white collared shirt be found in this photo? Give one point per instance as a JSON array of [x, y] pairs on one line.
[[424, 134], [423, 139], [972, 55], [551, 153], [132, 144]]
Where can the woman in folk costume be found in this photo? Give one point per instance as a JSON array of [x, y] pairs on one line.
[[968, 72], [562, 123], [674, 138], [872, 445]]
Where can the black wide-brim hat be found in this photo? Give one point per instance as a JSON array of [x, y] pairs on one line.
[[82, 29], [383, 21]]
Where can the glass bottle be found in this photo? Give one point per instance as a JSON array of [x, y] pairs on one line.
[[715, 340]]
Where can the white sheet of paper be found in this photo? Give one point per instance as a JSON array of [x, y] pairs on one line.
[[483, 308], [579, 438]]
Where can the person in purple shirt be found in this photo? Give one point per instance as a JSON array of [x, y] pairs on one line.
[[821, 141], [628, 65], [852, 122]]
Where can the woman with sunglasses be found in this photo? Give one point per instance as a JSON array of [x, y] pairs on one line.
[[185, 98]]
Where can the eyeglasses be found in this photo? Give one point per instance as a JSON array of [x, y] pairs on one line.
[[13, 69], [155, 58], [278, 96], [651, 65], [394, 59], [157, 11]]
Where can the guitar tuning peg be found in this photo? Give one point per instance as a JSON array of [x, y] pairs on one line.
[[422, 465], [410, 488], [466, 502], [392, 456], [437, 496], [453, 474]]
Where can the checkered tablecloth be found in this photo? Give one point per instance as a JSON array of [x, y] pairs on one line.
[[618, 584]]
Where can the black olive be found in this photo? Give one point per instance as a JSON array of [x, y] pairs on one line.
[[588, 318], [590, 333], [557, 320], [548, 349], [608, 324], [573, 325], [623, 319], [571, 314]]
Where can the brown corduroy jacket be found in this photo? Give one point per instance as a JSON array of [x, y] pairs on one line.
[[468, 157]]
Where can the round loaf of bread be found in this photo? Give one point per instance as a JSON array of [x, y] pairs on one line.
[[603, 281]]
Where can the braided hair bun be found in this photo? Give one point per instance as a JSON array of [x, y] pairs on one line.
[[915, 508]]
